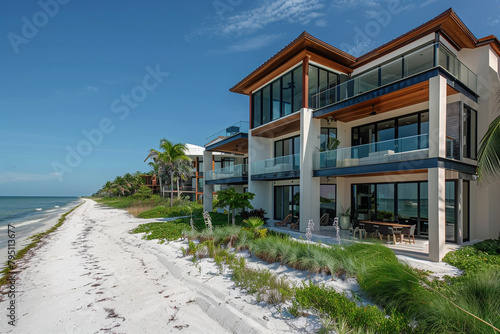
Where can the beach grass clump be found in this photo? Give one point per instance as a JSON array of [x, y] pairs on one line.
[[264, 284], [174, 211], [326, 302], [394, 286], [163, 231], [35, 240]]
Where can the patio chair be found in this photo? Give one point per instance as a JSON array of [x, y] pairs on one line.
[[358, 228], [385, 231], [372, 230], [285, 222], [410, 232], [324, 220]]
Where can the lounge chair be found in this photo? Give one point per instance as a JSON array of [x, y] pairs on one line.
[[295, 226], [324, 220], [285, 222]]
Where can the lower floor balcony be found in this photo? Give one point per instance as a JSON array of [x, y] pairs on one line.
[[235, 174], [284, 167]]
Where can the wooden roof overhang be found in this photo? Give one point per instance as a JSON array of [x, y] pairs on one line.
[[237, 144], [405, 97], [279, 127], [447, 24], [303, 46]]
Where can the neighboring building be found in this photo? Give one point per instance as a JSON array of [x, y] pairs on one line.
[[152, 182], [227, 150], [192, 185], [408, 116]]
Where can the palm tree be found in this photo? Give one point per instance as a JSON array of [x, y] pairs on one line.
[[166, 160], [108, 187], [182, 169], [488, 158]]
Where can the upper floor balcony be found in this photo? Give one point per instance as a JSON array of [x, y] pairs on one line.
[[235, 174], [233, 139], [285, 167], [395, 150], [396, 75]]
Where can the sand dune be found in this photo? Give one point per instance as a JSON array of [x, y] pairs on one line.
[[93, 276]]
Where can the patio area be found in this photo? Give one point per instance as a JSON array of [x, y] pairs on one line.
[[327, 235]]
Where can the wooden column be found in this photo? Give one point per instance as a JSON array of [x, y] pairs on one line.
[[305, 82]]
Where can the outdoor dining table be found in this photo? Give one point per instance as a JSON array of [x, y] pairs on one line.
[[395, 226]]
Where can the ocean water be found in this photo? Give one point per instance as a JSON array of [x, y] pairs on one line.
[[27, 214]]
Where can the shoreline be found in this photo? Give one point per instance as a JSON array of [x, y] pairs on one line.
[[24, 238]]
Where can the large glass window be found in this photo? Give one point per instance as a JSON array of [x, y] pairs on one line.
[[277, 99], [328, 199], [296, 90], [286, 94], [385, 202], [257, 109], [327, 137], [266, 104], [387, 130], [287, 146], [453, 130], [470, 133], [408, 201], [286, 201], [276, 86], [320, 81], [450, 210], [423, 226], [363, 201]]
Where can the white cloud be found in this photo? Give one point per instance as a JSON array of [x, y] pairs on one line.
[[249, 44], [92, 89], [246, 23], [492, 21], [359, 48], [26, 177]]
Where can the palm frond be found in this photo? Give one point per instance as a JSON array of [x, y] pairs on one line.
[[488, 161]]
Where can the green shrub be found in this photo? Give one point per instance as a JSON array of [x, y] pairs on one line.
[[472, 259], [490, 246], [327, 302], [174, 211], [162, 231]]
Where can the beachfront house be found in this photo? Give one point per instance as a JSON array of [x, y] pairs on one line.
[[392, 135]]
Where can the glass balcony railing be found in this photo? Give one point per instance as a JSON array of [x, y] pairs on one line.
[[406, 66], [227, 172], [238, 127], [401, 149], [286, 163]]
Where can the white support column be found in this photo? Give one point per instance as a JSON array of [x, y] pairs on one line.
[[343, 195], [309, 185], [437, 117], [208, 189], [437, 213]]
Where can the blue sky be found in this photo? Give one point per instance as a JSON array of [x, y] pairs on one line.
[[88, 87]]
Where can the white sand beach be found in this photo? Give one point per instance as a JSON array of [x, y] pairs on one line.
[[92, 275]]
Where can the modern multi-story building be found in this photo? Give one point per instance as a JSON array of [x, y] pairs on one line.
[[191, 184], [408, 116]]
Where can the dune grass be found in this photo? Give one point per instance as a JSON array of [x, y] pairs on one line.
[[467, 304]]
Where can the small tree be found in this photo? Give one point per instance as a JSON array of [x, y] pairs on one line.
[[233, 200]]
